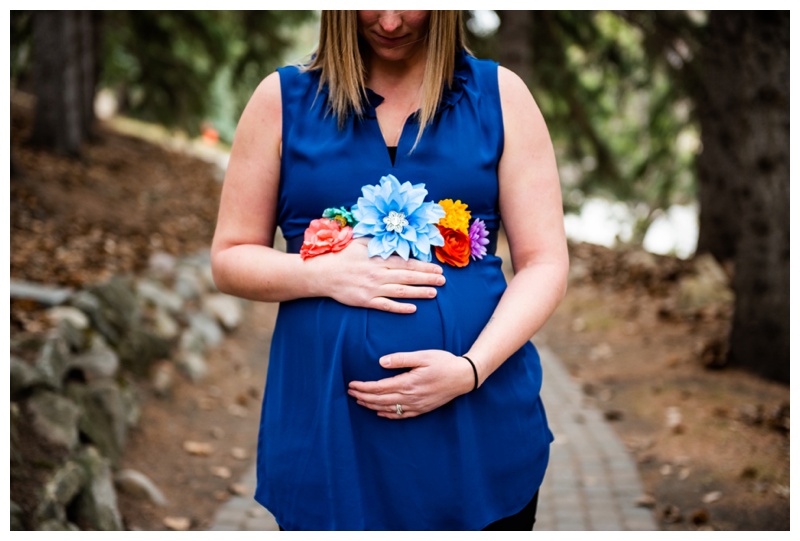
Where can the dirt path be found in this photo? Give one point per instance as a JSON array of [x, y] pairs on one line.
[[219, 415]]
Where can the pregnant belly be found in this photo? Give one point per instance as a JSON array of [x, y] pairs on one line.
[[351, 340]]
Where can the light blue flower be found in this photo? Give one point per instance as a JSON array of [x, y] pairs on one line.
[[398, 219]]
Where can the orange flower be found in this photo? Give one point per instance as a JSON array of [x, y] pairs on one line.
[[456, 249], [323, 236]]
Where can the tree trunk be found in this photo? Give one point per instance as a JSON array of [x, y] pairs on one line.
[[744, 178], [65, 75], [515, 42]]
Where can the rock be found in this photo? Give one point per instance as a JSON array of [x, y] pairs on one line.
[[77, 340], [53, 525], [112, 307], [59, 490], [131, 403], [226, 309], [161, 265], [162, 378], [206, 327], [77, 318], [55, 418], [188, 284], [239, 453], [140, 486], [104, 420], [706, 287], [90, 305], [140, 348], [192, 341], [52, 360], [164, 324], [41, 293], [72, 324], [97, 503], [159, 296], [193, 365], [99, 361], [712, 497], [23, 378], [208, 276]]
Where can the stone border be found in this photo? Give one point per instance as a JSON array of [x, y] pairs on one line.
[[75, 386]]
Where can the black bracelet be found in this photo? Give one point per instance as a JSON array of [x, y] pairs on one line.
[[474, 370]]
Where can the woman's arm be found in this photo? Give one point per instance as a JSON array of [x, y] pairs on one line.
[[532, 214], [243, 261], [531, 210]]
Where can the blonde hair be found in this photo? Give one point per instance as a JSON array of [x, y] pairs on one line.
[[340, 59]]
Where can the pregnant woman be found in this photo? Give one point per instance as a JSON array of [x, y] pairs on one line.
[[403, 390]]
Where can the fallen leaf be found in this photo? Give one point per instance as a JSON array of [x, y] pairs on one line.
[[198, 448], [239, 489], [221, 471], [646, 500], [180, 524], [237, 411]]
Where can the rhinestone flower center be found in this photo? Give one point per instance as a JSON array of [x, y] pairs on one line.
[[395, 221]]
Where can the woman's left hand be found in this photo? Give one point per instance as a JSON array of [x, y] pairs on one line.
[[436, 377]]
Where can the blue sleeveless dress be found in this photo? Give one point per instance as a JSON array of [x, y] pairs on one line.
[[326, 463]]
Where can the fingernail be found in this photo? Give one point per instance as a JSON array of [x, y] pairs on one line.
[[386, 361]]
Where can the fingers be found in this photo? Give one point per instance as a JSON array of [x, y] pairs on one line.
[[402, 291], [387, 405], [388, 305], [411, 277], [415, 265]]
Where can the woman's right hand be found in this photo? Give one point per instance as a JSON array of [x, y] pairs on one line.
[[355, 279]]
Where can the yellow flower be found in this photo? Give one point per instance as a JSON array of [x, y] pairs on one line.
[[457, 216]]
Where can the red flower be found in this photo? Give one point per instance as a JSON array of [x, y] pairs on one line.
[[323, 236], [456, 249]]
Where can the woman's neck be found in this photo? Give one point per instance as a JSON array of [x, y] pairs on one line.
[[396, 77]]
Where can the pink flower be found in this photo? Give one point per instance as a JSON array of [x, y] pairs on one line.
[[478, 239], [323, 236]]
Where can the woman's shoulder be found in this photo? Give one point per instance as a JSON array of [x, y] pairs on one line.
[[297, 83]]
